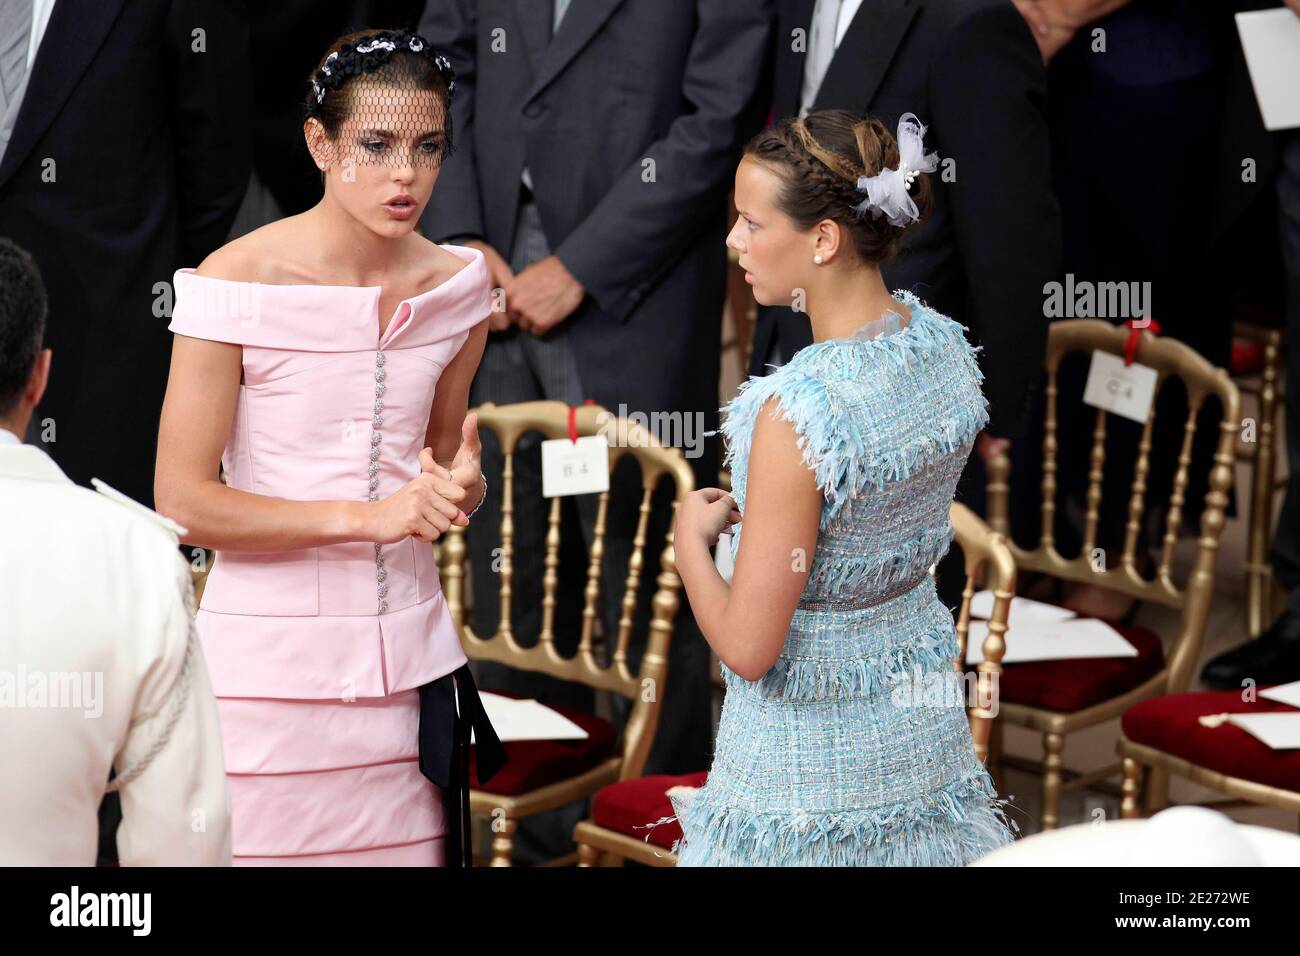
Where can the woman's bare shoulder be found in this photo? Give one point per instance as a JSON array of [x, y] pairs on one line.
[[251, 257], [441, 264]]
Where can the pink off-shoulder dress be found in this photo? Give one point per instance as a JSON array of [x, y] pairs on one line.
[[316, 655]]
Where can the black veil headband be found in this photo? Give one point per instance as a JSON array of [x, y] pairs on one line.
[[368, 55]]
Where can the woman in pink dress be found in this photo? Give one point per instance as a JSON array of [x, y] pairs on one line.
[[324, 361]]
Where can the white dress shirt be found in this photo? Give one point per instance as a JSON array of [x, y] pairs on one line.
[[847, 13], [98, 666], [41, 10], [812, 85]]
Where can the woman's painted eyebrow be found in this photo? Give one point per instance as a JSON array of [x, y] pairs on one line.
[[391, 135]]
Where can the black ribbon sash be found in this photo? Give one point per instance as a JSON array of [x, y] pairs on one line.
[[444, 752]]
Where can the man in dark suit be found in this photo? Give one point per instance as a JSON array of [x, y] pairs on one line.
[[1172, 85], [1272, 656], [971, 72], [128, 159], [596, 144]]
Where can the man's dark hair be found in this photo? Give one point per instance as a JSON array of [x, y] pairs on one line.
[[22, 321]]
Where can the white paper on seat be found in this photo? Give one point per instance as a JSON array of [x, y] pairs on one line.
[[1052, 641], [1023, 610], [1278, 731], [1271, 41], [1284, 693], [526, 720]]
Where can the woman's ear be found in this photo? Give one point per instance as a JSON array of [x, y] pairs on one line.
[[314, 133], [828, 239]]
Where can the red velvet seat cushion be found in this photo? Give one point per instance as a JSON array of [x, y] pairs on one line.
[[629, 806], [1080, 682], [1170, 725], [535, 763], [1247, 358]]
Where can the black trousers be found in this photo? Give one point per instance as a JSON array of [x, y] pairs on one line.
[[1285, 552]]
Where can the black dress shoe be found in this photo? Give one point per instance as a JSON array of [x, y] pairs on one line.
[[1271, 658]]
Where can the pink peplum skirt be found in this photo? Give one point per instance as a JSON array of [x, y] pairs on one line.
[[320, 717], [330, 783]]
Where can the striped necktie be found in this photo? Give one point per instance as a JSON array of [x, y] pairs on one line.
[[560, 7], [15, 37], [821, 49]]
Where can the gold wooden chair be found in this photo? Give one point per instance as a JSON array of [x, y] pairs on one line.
[[989, 563], [622, 809], [1057, 698], [643, 687], [1262, 592]]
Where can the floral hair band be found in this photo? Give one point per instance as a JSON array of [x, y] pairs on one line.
[[366, 56]]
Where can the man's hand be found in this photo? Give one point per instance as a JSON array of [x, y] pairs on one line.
[[1049, 36], [1054, 22], [500, 275], [543, 295]]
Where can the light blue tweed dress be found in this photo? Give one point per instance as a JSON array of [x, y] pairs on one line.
[[839, 755]]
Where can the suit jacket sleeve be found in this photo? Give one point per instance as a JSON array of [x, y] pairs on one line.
[[211, 105], [989, 96], [456, 209], [176, 812], [639, 228]]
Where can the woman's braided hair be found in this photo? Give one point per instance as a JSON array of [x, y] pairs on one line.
[[819, 159]]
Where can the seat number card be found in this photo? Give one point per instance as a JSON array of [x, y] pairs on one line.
[[575, 468], [1126, 390]]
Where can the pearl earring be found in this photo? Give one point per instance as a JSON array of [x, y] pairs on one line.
[[818, 259]]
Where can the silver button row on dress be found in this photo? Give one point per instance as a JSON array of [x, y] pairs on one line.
[[376, 436]]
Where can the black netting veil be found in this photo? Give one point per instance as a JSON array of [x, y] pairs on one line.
[[382, 97]]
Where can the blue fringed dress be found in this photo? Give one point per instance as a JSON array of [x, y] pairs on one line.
[[844, 753]]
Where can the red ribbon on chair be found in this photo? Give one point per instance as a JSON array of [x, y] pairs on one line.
[[573, 419], [1134, 335]]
